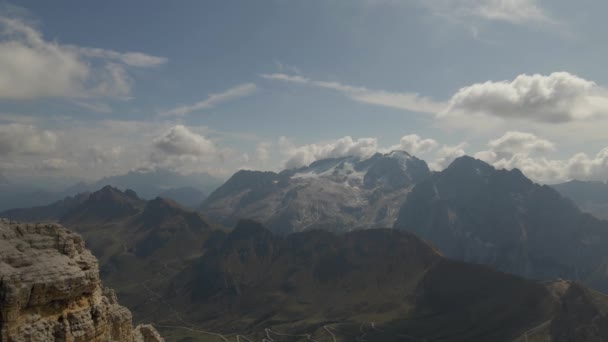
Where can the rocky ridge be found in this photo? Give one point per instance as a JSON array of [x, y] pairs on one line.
[[336, 194], [475, 213], [50, 290]]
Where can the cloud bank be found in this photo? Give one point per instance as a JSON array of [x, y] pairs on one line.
[[19, 139], [557, 98], [304, 155], [32, 67]]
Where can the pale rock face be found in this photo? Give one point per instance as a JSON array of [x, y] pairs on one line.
[[146, 333], [338, 194], [50, 290]]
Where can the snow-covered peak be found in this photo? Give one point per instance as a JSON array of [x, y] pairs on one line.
[[340, 171]]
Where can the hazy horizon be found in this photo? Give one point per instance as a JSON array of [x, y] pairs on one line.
[[98, 89]]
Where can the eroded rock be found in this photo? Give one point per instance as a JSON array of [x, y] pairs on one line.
[[50, 290]]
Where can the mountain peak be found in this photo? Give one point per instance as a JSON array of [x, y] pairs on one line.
[[162, 211], [475, 213], [469, 163], [399, 154], [106, 204], [339, 194], [162, 202]]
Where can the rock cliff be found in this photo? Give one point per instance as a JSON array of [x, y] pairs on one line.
[[50, 290]]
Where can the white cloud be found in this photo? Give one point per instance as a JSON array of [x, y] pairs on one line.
[[20, 139], [512, 11], [415, 145], [298, 156], [404, 101], [104, 155], [262, 151], [181, 141], [185, 150], [556, 98], [214, 100], [135, 59], [32, 67], [520, 142], [528, 153]]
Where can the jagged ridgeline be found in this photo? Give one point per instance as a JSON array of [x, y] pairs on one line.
[[476, 213], [50, 290], [339, 194]]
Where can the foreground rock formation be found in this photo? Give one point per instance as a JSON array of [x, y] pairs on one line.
[[50, 290]]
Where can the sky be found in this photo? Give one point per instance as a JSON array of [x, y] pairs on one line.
[[93, 89]]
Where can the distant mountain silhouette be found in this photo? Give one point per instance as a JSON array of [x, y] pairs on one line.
[[152, 183], [186, 196], [591, 197], [188, 190], [104, 205], [46, 213]]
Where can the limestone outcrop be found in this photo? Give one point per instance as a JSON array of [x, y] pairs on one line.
[[50, 290]]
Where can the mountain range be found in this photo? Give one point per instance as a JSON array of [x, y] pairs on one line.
[[134, 239], [317, 273], [337, 194], [307, 283], [188, 190], [590, 196], [475, 213], [152, 183]]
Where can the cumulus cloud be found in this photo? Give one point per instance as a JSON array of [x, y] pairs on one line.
[[528, 152], [513, 142], [32, 67], [415, 145], [298, 156], [559, 97], [404, 101], [104, 155], [181, 141], [556, 98], [213, 100], [20, 139]]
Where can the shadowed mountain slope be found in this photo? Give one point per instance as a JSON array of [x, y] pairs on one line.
[[135, 240], [475, 213], [377, 285], [591, 197]]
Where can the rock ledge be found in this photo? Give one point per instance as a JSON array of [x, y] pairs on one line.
[[50, 290]]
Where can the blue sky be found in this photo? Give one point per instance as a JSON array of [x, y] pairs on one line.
[[91, 89]]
